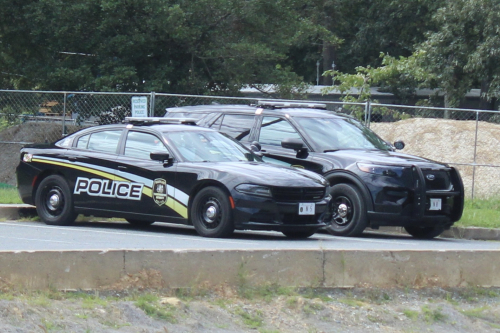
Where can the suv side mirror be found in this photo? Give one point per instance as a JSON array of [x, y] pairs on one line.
[[293, 143], [399, 144]]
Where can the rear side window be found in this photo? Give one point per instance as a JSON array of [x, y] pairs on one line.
[[237, 125], [105, 141], [274, 130]]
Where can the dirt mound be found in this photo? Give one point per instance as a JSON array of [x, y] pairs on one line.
[[452, 141]]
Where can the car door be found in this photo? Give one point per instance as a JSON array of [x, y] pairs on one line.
[[92, 167], [238, 126], [273, 130], [155, 178]]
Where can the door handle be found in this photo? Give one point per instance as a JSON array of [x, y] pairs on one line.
[[73, 158], [122, 167]]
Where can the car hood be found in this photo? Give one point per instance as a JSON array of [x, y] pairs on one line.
[[348, 157], [265, 174]]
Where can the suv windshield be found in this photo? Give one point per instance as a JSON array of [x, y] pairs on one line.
[[208, 147], [332, 134]]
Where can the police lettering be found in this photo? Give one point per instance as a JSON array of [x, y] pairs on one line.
[[108, 188]]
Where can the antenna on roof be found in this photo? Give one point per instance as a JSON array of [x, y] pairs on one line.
[[159, 120]]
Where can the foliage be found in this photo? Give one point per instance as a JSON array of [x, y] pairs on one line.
[[177, 46]]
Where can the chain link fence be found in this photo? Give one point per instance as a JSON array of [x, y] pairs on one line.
[[467, 139]]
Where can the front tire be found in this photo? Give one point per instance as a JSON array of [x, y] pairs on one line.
[[349, 211], [211, 213], [53, 201], [424, 232]]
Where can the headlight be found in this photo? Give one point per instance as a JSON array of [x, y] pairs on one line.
[[253, 189], [382, 170]]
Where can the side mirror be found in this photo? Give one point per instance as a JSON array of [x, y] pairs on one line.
[[293, 143], [399, 145], [255, 147]]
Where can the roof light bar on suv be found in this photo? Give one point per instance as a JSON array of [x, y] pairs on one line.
[[159, 120], [272, 104]]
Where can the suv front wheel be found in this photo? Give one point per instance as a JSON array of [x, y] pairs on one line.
[[349, 211]]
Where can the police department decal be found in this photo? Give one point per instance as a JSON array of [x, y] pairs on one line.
[[160, 191], [108, 188]]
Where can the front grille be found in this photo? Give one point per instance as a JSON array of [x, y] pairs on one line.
[[437, 180], [297, 194]]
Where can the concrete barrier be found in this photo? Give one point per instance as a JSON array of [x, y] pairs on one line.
[[298, 268]]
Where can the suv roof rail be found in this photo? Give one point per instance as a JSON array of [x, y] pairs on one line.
[[159, 120], [272, 104]]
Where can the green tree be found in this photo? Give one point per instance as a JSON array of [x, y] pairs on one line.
[[179, 46]]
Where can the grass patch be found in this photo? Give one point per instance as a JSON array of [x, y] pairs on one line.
[[433, 315], [411, 314], [9, 195], [482, 213], [475, 313], [150, 304], [253, 321]]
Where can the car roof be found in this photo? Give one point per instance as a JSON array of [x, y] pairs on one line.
[[248, 109]]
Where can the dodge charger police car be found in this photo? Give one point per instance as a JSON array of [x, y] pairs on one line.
[[371, 184], [149, 170]]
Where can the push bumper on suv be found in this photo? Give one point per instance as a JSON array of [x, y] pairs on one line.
[[433, 197]]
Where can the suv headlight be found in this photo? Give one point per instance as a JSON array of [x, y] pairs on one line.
[[252, 189], [382, 170]]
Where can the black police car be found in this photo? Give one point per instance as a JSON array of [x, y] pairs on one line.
[[371, 184], [150, 170]]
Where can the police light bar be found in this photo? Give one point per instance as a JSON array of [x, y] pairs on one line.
[[291, 105], [159, 120]]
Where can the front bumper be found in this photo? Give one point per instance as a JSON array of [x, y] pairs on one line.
[[259, 213], [412, 205]]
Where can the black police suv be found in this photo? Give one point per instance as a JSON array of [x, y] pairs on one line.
[[151, 170], [371, 184]]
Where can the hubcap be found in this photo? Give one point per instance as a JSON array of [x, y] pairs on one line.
[[54, 201], [211, 213], [342, 210]]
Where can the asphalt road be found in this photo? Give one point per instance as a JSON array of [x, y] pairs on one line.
[[32, 236]]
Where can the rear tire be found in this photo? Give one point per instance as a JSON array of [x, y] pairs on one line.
[[54, 202], [349, 211], [211, 213], [424, 232], [139, 223], [299, 234]]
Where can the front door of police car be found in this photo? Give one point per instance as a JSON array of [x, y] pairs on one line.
[[157, 198]]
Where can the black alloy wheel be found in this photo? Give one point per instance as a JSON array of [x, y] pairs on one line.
[[53, 201], [139, 223], [424, 232], [349, 217], [211, 213]]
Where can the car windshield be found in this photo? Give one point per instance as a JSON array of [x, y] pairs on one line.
[[208, 147], [332, 134]]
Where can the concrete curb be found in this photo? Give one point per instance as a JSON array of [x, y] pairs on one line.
[[18, 211], [125, 269]]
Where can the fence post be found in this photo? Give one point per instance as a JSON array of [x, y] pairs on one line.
[[64, 115], [152, 104], [475, 150], [368, 113]]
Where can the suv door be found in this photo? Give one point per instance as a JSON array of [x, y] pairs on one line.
[[238, 126], [154, 177], [273, 130]]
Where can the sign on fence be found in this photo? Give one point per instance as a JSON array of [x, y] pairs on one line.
[[139, 106]]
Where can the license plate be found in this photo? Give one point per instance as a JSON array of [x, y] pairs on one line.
[[307, 208], [435, 204]]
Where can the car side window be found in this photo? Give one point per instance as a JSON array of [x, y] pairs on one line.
[[105, 141], [273, 130], [83, 141], [237, 125], [140, 145]]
